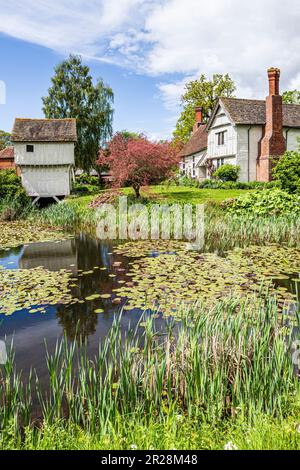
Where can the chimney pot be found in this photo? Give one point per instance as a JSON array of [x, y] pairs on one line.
[[274, 81], [198, 117]]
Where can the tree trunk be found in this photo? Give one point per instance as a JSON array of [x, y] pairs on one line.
[[137, 191]]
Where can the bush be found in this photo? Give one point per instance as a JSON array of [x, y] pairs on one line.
[[287, 172], [188, 182], [227, 173], [85, 178], [271, 202], [15, 207], [10, 183], [86, 184], [14, 202]]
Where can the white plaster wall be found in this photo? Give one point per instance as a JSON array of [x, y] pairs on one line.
[[248, 139], [189, 165], [222, 123], [45, 153], [292, 137], [46, 181]]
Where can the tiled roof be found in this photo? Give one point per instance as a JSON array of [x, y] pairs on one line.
[[7, 154], [197, 143], [44, 130], [251, 112]]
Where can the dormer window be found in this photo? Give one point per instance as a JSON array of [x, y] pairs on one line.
[[29, 148]]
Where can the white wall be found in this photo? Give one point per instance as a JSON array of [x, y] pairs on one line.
[[191, 163], [248, 138], [222, 123], [292, 137], [46, 181], [45, 153]]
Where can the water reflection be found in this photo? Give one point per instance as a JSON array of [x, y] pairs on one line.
[[91, 263]]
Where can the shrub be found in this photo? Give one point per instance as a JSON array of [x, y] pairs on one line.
[[271, 202], [14, 202], [87, 184], [15, 207], [188, 182], [85, 189], [287, 172], [10, 183], [227, 173]]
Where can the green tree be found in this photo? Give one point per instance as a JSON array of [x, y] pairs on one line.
[[4, 140], [291, 97], [74, 95], [202, 92], [130, 135]]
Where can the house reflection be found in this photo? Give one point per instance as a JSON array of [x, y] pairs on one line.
[[84, 256], [53, 256]]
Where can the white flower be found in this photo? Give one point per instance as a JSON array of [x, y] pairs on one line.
[[230, 446], [133, 447], [179, 418]]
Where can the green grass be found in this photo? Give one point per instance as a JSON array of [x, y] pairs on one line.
[[176, 432], [225, 375], [170, 194], [222, 230], [192, 195]]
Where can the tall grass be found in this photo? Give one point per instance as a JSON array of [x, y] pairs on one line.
[[225, 232], [225, 364], [222, 231]]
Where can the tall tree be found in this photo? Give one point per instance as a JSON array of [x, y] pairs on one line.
[[4, 140], [291, 97], [202, 92], [138, 162], [74, 95]]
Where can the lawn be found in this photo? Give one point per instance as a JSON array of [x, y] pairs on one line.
[[192, 195], [171, 194]]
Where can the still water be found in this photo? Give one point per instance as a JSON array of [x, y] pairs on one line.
[[92, 264], [80, 254]]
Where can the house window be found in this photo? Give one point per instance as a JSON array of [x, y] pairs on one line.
[[194, 167], [29, 148], [220, 162], [221, 137]]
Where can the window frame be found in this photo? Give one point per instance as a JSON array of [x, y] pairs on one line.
[[29, 148], [221, 138]]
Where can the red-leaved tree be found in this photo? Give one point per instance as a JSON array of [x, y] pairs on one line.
[[138, 162]]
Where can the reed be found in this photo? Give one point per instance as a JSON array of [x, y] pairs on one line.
[[222, 231], [221, 365]]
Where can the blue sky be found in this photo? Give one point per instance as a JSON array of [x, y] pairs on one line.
[[27, 76], [146, 50]]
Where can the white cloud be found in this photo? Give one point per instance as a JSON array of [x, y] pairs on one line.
[[295, 83], [161, 37], [241, 38], [71, 25]]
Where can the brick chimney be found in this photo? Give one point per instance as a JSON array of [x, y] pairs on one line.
[[198, 118], [273, 143]]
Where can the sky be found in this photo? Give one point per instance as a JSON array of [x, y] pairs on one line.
[[146, 50]]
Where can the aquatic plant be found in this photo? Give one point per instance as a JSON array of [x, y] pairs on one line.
[[166, 274], [22, 232], [227, 363], [33, 289]]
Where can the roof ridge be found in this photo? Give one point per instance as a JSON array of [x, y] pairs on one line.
[[45, 119], [242, 99]]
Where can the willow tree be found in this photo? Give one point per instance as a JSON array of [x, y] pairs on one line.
[[74, 95]]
